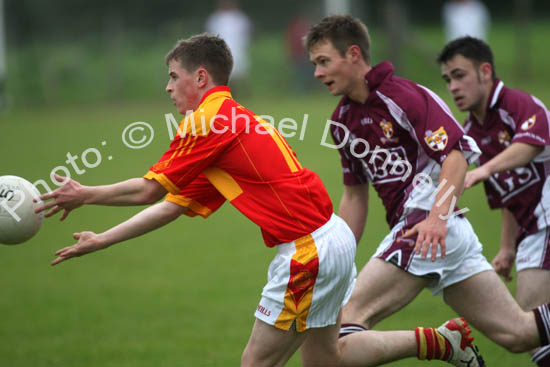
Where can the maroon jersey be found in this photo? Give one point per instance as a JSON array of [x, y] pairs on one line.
[[515, 116], [402, 130]]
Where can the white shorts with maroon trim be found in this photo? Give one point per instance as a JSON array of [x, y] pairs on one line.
[[310, 279], [533, 251], [463, 257]]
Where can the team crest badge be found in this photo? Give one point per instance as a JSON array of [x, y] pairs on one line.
[[529, 123], [437, 140], [387, 129], [504, 138]]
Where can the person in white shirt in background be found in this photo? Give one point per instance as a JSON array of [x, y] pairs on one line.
[[465, 18]]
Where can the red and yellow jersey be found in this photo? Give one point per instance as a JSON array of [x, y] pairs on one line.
[[225, 152]]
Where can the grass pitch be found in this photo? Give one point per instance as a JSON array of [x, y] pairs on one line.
[[185, 294]]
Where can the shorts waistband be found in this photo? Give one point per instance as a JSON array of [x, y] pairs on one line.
[[289, 247]]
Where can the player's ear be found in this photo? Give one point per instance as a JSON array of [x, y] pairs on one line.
[[354, 52], [202, 77], [486, 71]]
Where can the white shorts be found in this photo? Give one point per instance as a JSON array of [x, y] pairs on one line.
[[310, 279], [463, 257], [534, 251]]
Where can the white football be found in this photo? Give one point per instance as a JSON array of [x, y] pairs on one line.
[[18, 221]]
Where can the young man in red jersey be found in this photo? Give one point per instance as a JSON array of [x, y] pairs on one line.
[[382, 125], [248, 163], [512, 129]]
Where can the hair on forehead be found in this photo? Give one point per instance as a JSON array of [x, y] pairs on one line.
[[342, 31], [207, 51], [470, 48]]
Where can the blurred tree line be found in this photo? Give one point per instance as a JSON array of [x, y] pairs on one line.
[[29, 20], [85, 50]]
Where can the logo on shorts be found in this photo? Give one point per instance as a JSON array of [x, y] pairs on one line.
[[264, 311], [437, 140], [529, 123]]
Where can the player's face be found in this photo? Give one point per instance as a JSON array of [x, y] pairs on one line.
[[182, 87], [334, 71], [465, 83]]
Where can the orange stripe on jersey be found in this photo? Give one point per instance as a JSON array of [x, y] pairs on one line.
[[304, 268], [194, 206], [269, 184], [163, 180], [199, 122], [223, 182], [293, 164], [181, 147]]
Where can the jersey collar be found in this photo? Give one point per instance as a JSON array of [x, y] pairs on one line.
[[375, 76], [496, 93], [378, 74], [494, 97], [216, 92]]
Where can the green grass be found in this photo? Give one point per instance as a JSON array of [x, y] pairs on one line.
[[183, 295]]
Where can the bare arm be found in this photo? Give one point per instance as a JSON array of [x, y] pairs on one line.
[[72, 195], [145, 221], [433, 230], [354, 208], [516, 155], [504, 260]]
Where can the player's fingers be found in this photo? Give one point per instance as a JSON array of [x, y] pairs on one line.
[[426, 246], [61, 251], [443, 244], [45, 206], [76, 235], [58, 260], [54, 211], [419, 243], [410, 232], [64, 215], [48, 195], [59, 178], [435, 243]]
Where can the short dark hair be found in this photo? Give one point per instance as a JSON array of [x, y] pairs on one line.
[[471, 48], [342, 31], [206, 50]]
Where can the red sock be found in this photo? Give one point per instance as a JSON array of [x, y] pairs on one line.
[[431, 344]]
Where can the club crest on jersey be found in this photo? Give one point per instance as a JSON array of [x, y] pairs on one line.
[[437, 140], [387, 129], [504, 138], [529, 123]]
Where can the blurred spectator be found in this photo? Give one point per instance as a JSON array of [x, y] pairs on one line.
[[465, 18], [234, 26], [302, 68]]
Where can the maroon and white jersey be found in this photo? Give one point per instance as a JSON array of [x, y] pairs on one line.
[[515, 116], [402, 131]]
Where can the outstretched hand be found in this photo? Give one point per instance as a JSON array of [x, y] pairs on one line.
[[68, 197], [87, 242], [432, 232], [474, 176]]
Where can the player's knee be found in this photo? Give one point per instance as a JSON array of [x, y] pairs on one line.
[[250, 359]]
